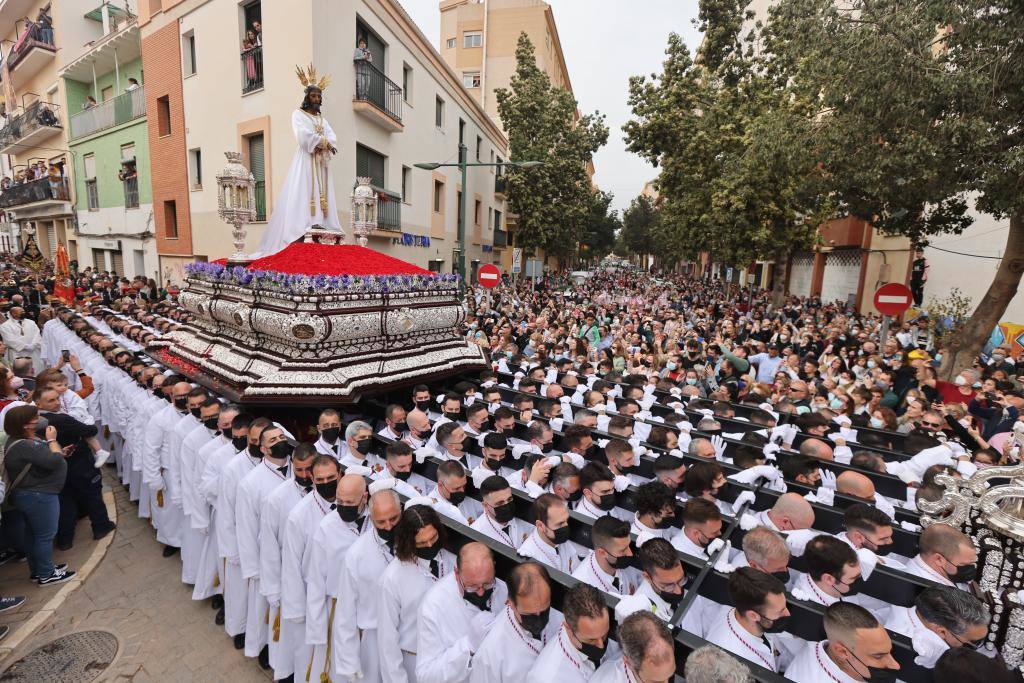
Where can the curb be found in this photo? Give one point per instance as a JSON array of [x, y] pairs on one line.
[[23, 632]]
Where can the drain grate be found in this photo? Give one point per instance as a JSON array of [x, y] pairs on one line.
[[75, 658]]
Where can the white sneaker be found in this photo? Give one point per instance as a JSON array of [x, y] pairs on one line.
[[101, 457]]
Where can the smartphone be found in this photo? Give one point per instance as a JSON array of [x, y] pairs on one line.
[[66, 355]]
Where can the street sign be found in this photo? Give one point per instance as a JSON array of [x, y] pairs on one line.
[[893, 298], [517, 260], [488, 276]]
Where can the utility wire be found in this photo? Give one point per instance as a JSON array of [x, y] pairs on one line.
[[960, 253]]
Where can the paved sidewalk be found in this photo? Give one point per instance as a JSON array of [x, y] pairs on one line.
[[137, 595]]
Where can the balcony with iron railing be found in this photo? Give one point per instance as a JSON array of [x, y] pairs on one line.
[[500, 185], [34, 47], [500, 239], [252, 69], [115, 111], [131, 191], [42, 190], [377, 97], [27, 129], [389, 210]]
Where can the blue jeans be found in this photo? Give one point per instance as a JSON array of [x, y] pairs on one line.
[[41, 510]]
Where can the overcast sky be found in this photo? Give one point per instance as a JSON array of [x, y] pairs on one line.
[[605, 42]]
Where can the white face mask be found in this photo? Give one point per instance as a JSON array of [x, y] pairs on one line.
[[960, 381], [17, 383]]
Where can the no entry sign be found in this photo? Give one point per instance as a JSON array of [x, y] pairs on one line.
[[489, 276], [893, 298]]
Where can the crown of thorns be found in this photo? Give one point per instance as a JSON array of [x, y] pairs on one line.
[[307, 76]]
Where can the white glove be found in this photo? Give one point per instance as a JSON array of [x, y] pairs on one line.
[[621, 483], [684, 426], [576, 459], [798, 539], [779, 434], [630, 604], [828, 479], [966, 468], [479, 626], [424, 452], [849, 434], [910, 526], [719, 444], [381, 484], [676, 452], [745, 497], [770, 449], [791, 433], [635, 442], [556, 423], [361, 470], [884, 505], [603, 443], [752, 474], [823, 495], [842, 420], [748, 521], [707, 412], [713, 546], [722, 563], [675, 391], [638, 452]]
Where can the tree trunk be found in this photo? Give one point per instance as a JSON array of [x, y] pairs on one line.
[[966, 345], [779, 282]]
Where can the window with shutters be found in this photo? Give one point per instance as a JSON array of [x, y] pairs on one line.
[[438, 196], [195, 168], [92, 194], [257, 165], [370, 164], [117, 262]]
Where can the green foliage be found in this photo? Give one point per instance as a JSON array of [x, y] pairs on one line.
[[639, 226], [602, 224], [554, 201], [736, 178], [948, 314]]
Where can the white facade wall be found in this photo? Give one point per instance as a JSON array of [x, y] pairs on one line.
[[103, 228], [322, 32]]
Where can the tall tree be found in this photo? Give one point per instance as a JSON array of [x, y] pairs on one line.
[[553, 201], [639, 225], [601, 225], [912, 122], [734, 183]]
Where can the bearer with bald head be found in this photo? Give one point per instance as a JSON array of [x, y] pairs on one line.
[[456, 614], [857, 648], [518, 635]]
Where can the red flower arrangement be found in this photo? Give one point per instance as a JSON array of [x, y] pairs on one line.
[[308, 258]]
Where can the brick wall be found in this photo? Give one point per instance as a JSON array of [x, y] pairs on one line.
[[161, 62]]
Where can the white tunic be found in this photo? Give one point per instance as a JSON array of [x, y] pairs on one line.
[[560, 557], [330, 544], [252, 492], [590, 572], [276, 509], [613, 671], [402, 586], [729, 635], [917, 567], [508, 652], [331, 449], [466, 513], [560, 661], [297, 205], [303, 521], [683, 544], [585, 507], [813, 665], [512, 534], [234, 472], [444, 646], [356, 609]]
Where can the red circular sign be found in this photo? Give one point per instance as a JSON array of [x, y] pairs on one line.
[[488, 276], [893, 298]]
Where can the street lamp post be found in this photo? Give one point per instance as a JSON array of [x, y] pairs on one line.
[[463, 165]]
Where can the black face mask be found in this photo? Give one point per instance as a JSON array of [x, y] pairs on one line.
[[575, 497], [534, 624], [593, 652], [673, 599], [195, 412], [481, 602], [255, 451], [854, 587], [348, 513], [456, 497], [423, 405], [403, 476], [305, 482], [777, 626], [327, 490], [386, 535], [454, 416], [561, 535], [239, 442], [401, 427], [620, 562], [665, 523], [547, 448], [882, 550], [364, 446], [211, 423], [964, 573], [782, 576], [503, 514], [876, 674], [281, 450], [330, 435], [181, 403], [607, 502], [493, 464], [424, 435], [430, 552]]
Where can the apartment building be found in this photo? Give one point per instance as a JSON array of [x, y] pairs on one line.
[[109, 143], [221, 76], [478, 41]]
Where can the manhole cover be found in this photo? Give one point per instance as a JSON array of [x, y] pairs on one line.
[[75, 658]]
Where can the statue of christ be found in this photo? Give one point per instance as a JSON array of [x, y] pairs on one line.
[[307, 198]]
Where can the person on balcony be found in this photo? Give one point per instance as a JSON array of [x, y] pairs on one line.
[[133, 84], [362, 76], [57, 188], [89, 103], [252, 69], [46, 116]]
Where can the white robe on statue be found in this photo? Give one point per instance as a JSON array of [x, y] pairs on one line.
[[293, 211]]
